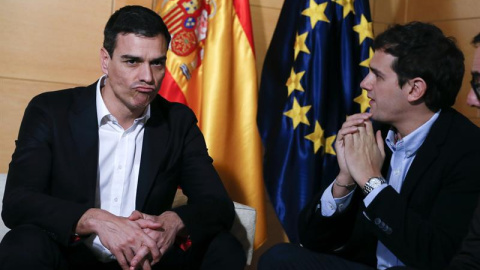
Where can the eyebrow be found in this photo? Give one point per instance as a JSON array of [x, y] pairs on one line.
[[376, 71], [140, 59]]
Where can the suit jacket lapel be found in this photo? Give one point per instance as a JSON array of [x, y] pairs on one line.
[[84, 128], [154, 151], [428, 152]]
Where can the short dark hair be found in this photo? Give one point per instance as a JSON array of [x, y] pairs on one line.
[[133, 19], [476, 40], [422, 50]]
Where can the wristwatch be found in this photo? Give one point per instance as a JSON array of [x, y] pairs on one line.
[[373, 183]]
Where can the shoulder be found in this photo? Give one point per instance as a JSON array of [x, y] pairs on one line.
[[456, 133], [457, 125], [63, 98], [172, 111]]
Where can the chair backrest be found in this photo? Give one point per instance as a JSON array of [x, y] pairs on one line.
[[3, 228]]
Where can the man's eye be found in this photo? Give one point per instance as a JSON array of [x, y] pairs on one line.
[[158, 63], [131, 62]]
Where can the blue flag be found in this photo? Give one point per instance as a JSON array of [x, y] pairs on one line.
[[319, 53]]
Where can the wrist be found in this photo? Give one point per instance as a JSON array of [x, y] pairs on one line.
[[373, 183], [344, 179], [349, 186]]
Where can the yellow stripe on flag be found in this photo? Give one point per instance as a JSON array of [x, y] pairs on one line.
[[218, 79]]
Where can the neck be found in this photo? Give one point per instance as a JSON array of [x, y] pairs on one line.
[[124, 115], [412, 122]]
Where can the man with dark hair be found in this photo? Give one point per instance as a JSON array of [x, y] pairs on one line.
[[95, 170], [408, 201], [473, 98]]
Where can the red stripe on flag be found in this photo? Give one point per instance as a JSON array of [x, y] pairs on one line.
[[171, 91], [242, 8]]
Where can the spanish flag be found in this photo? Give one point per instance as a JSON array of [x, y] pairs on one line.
[[211, 68]]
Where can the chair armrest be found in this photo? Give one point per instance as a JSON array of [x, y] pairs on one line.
[[243, 227]]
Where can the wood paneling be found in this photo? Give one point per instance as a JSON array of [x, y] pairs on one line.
[[58, 44], [277, 4], [117, 4], [389, 11], [15, 96], [264, 21], [440, 10]]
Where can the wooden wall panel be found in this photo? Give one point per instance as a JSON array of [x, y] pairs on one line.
[[58, 44], [389, 11], [440, 10], [276, 4], [117, 4], [264, 21], [15, 96]]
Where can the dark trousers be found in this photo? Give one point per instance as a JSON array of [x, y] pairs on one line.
[[290, 256], [29, 247]]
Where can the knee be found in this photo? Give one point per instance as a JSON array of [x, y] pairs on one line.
[[227, 245], [277, 256], [224, 252], [25, 244]]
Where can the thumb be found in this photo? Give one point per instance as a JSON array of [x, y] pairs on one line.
[[135, 215]]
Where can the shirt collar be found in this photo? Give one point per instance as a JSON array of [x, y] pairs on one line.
[[102, 110], [412, 141]]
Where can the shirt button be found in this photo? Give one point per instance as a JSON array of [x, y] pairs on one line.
[[119, 167], [331, 206], [340, 207], [115, 200]]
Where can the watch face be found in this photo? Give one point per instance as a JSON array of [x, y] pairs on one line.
[[375, 182]]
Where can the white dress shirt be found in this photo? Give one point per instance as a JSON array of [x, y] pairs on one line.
[[119, 157]]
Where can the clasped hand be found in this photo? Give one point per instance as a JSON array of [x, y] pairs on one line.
[[360, 153], [163, 232], [137, 242]]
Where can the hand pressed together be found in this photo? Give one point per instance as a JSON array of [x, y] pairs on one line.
[[360, 153]]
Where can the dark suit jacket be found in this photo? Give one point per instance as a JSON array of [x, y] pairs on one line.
[[424, 224], [53, 174], [469, 256]]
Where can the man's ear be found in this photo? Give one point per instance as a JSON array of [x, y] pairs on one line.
[[104, 60], [418, 88]]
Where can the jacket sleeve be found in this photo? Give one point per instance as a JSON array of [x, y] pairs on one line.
[[327, 234], [27, 198], [209, 209], [426, 232]]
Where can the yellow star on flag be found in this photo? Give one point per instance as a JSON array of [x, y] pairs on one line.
[[363, 100], [366, 62], [316, 137], [329, 145], [347, 6], [364, 29], [298, 114], [293, 82], [300, 44], [316, 12]]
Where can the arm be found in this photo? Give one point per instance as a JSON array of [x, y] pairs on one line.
[[209, 209], [28, 193], [331, 233], [426, 234]]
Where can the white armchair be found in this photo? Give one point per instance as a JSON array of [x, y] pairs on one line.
[[243, 227]]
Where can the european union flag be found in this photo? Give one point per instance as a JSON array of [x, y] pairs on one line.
[[319, 54]]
